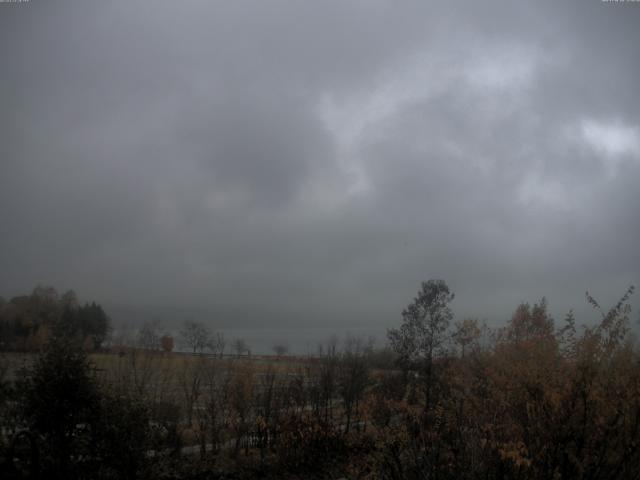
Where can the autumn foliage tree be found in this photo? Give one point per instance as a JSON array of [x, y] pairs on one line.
[[166, 342], [539, 402], [466, 334], [27, 322]]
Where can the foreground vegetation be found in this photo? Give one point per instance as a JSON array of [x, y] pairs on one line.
[[530, 400]]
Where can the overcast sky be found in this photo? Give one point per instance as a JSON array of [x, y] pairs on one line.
[[281, 163]]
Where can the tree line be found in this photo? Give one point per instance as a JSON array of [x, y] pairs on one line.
[[445, 400], [28, 322]]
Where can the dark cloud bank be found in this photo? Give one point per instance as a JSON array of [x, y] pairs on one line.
[[307, 164]]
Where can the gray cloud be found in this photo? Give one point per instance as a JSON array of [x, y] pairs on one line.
[[283, 163]]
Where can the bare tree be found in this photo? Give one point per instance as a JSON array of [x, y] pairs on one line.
[[280, 349], [190, 378], [240, 346], [213, 417], [322, 383], [297, 397], [195, 336], [148, 337], [123, 336], [240, 395], [353, 376], [330, 347], [270, 405], [217, 344]]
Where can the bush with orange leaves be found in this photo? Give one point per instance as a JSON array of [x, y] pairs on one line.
[[537, 403]]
